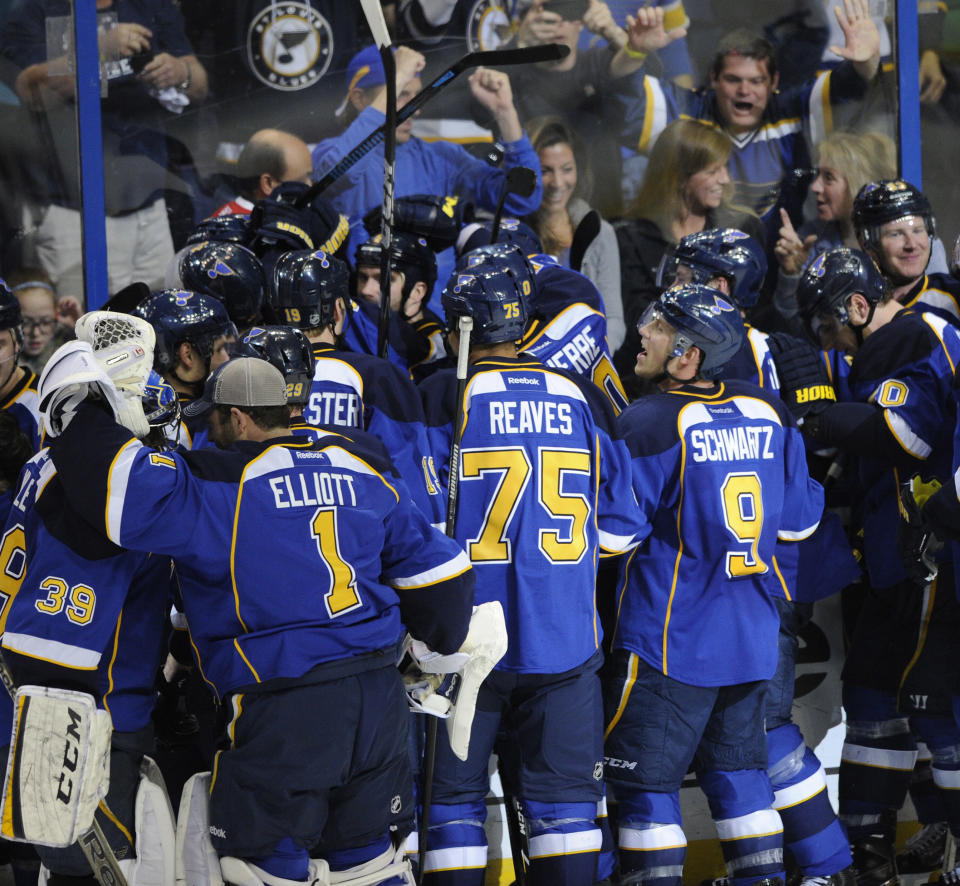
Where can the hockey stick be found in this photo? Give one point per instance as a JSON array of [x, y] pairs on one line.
[[381, 36], [92, 842], [465, 327], [494, 58], [583, 236], [520, 180]]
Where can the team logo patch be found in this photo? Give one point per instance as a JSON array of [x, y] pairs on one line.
[[289, 46], [819, 265], [182, 298], [490, 24], [463, 280], [321, 256], [719, 305], [219, 270], [253, 333], [733, 235]]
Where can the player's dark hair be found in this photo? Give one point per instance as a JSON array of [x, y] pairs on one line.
[[745, 42], [264, 417]]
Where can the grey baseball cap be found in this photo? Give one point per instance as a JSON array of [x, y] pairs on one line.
[[242, 381]]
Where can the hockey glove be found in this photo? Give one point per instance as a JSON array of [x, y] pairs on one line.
[[436, 218], [123, 346], [447, 685], [804, 383], [915, 538]]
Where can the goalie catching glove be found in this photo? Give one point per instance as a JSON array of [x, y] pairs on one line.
[[447, 685], [804, 383]]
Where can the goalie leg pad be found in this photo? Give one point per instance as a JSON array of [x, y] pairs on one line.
[[196, 861], [155, 832], [388, 867], [58, 769], [238, 872]]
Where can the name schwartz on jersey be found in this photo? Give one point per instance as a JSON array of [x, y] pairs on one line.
[[732, 444]]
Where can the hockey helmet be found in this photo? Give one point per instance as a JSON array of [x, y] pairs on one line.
[[512, 230], [229, 272], [288, 349], [702, 317], [885, 201], [178, 316], [409, 254], [305, 287], [492, 285], [232, 228], [831, 278]]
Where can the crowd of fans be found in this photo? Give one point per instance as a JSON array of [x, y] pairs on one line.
[[669, 148]]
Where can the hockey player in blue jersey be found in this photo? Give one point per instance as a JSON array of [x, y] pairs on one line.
[[311, 291], [766, 127], [734, 263], [543, 492], [720, 474], [193, 337], [413, 271], [322, 513], [18, 385], [902, 375], [895, 226], [567, 326]]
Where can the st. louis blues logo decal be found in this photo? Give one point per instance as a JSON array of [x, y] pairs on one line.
[[819, 266], [253, 333], [289, 46], [219, 269], [719, 305], [182, 298], [463, 280]]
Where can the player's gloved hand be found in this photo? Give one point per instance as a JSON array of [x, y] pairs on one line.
[[436, 218], [279, 224], [915, 538], [447, 685], [804, 383]]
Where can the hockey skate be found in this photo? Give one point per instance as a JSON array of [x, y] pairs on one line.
[[846, 877], [874, 862], [923, 852]]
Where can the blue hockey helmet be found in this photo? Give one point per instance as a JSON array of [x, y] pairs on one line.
[[831, 278], [409, 254], [717, 252], [178, 316], [232, 228], [229, 272], [288, 349], [305, 287], [492, 285], [885, 201], [702, 317], [512, 230]]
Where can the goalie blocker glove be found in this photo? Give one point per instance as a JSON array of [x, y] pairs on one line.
[[804, 383]]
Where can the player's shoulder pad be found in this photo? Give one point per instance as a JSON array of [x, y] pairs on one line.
[[649, 424], [360, 443], [907, 339], [69, 528]]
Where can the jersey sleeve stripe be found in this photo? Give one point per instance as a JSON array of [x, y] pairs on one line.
[[821, 111], [655, 114], [915, 445], [798, 535], [445, 571], [63, 654], [616, 544], [117, 479]]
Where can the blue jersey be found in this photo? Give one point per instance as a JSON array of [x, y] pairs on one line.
[[721, 475], [23, 404], [544, 489], [297, 558], [906, 368], [83, 613], [762, 157], [569, 328], [753, 362], [353, 390], [360, 334]]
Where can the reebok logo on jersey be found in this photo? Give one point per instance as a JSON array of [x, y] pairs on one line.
[[217, 832], [522, 380]]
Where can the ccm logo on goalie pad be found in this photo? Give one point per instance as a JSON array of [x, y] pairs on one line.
[[71, 756], [815, 392]]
